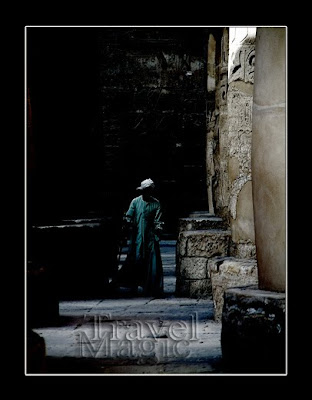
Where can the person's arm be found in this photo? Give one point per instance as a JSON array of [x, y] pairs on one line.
[[158, 223], [129, 216]]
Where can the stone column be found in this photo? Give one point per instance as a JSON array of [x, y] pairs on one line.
[[269, 157], [239, 99], [218, 128], [253, 334], [211, 120]]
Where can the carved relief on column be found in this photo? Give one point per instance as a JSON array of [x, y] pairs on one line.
[[242, 54], [240, 120], [221, 129], [210, 156], [223, 68], [250, 54], [211, 64], [239, 102]]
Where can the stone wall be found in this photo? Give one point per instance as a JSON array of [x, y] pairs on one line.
[[127, 103], [151, 118], [194, 249]]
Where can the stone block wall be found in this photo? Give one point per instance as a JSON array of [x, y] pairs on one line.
[[194, 249]]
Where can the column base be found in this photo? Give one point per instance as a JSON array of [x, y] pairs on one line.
[[253, 331]]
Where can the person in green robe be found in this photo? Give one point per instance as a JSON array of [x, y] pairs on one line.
[[143, 260]]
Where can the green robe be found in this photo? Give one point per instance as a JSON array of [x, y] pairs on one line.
[[144, 250]]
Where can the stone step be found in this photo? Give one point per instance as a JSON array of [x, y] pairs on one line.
[[198, 223], [202, 214]]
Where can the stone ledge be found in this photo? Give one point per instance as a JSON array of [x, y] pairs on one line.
[[201, 223], [226, 272], [253, 331]]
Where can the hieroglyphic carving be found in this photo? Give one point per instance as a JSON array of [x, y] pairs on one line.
[[239, 110], [243, 64], [240, 134], [210, 167], [225, 49], [240, 128], [238, 66], [250, 65], [242, 54], [240, 147], [211, 64], [223, 89]]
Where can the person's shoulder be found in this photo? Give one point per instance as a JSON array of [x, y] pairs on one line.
[[136, 199], [155, 200]]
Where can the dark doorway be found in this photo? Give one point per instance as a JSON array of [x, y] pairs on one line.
[[111, 107]]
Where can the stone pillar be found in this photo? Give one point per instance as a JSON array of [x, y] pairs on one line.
[[211, 120], [269, 157], [239, 100], [253, 318], [217, 129]]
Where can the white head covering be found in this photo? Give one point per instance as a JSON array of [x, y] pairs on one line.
[[146, 184]]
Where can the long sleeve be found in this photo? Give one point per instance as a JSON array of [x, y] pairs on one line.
[[131, 212], [158, 223]]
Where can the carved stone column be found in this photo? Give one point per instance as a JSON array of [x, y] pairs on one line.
[[239, 98]]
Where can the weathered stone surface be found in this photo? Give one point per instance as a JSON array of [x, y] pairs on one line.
[[200, 223], [194, 288], [243, 250], [239, 112], [242, 227], [228, 146], [207, 243], [253, 331], [242, 54], [181, 246], [193, 268], [226, 272], [194, 248], [200, 288]]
